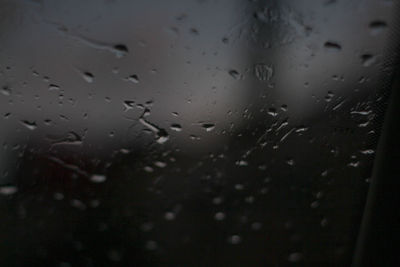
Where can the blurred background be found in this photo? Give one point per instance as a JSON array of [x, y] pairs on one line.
[[189, 133]]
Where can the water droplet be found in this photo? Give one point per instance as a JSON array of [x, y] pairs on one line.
[[54, 87], [169, 216], [133, 78], [239, 187], [367, 60], [235, 74], [377, 27], [5, 90], [332, 46], [176, 127], [235, 239], [290, 162], [98, 178], [208, 126], [354, 164], [242, 163], [160, 164], [129, 104], [219, 216], [367, 152], [148, 169], [162, 137], [88, 77], [120, 50], [29, 125], [7, 190], [272, 112]]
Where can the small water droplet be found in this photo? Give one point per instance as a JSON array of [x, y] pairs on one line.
[[54, 87], [272, 112], [367, 60], [160, 164], [133, 78], [208, 126], [377, 27], [120, 50], [88, 77], [332, 46], [176, 127], [5, 90], [219, 216], [235, 239], [290, 162], [29, 125], [169, 216], [242, 163], [235, 74], [98, 178]]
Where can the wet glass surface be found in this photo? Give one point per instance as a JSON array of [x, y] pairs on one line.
[[188, 133]]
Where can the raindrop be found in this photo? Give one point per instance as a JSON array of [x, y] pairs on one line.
[[5, 90], [235, 74], [367, 152], [235, 239], [160, 164], [290, 162], [219, 216], [332, 46], [98, 178], [208, 126], [88, 77], [148, 169], [133, 78], [272, 112], [54, 87], [29, 125], [367, 60], [129, 104], [377, 27], [176, 127], [242, 163], [120, 50], [7, 190], [162, 136], [169, 216]]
